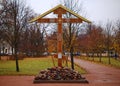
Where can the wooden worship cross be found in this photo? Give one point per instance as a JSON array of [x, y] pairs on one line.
[[59, 10]]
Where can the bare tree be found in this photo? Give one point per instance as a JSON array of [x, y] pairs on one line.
[[1, 40], [108, 30], [15, 20], [72, 29], [117, 37]]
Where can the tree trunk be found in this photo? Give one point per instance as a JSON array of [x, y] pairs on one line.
[[100, 56], [16, 57], [12, 51], [71, 46], [109, 58], [0, 52], [72, 59], [109, 62], [92, 55], [16, 38]]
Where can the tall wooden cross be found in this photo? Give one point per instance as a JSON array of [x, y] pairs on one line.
[[59, 10]]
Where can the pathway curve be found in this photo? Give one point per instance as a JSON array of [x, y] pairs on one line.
[[100, 74]]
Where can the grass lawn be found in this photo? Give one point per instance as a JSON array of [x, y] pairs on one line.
[[30, 66], [104, 60]]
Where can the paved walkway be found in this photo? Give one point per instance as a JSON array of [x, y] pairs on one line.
[[98, 75]]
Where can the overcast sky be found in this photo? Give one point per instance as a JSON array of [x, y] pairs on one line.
[[97, 10]]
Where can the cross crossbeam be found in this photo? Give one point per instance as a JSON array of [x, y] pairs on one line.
[[55, 20]]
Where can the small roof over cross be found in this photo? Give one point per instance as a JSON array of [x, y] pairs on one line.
[[59, 10], [36, 19]]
